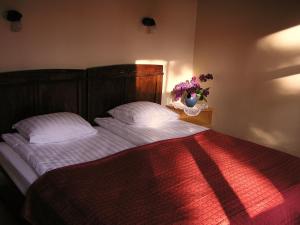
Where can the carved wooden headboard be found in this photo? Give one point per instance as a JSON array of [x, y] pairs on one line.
[[89, 93]]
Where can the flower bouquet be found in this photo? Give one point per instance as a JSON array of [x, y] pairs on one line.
[[191, 91]]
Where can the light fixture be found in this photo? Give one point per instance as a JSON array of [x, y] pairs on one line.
[[149, 23], [14, 17]]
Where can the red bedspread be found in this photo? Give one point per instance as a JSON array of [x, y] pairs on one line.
[[207, 178]]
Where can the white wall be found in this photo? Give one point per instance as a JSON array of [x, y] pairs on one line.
[[253, 49], [255, 94], [81, 34]]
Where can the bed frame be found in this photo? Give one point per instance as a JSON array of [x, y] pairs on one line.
[[89, 93]]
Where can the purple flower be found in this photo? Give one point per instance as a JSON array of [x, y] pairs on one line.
[[192, 87], [205, 77], [209, 76], [205, 92], [202, 78]]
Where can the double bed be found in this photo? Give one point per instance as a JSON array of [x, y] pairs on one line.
[[88, 93], [171, 172], [25, 162]]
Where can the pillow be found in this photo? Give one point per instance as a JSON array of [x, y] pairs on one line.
[[145, 113], [55, 127]]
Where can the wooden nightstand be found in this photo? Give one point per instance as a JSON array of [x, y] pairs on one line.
[[203, 119]]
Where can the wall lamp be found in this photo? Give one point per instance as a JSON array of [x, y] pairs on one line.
[[14, 17], [149, 23]]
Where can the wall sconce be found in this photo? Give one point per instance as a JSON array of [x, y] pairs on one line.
[[149, 23], [14, 17]]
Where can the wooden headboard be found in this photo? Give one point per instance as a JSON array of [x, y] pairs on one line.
[[33, 92], [111, 86], [89, 93]]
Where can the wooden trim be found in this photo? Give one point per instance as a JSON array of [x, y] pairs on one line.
[[126, 70]]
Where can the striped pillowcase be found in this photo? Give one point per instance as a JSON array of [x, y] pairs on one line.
[[143, 113], [54, 127]]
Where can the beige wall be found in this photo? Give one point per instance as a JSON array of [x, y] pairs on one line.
[[253, 48], [80, 34], [246, 45]]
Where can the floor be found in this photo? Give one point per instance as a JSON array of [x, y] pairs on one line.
[[6, 217], [8, 197]]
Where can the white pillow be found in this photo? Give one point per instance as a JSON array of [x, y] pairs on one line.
[[55, 127], [145, 113]]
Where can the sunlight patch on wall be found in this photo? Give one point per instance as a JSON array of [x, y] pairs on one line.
[[187, 71], [152, 62], [291, 62], [285, 40], [170, 79], [279, 50], [288, 85], [265, 137]]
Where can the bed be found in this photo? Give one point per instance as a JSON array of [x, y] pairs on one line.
[[199, 177], [34, 92], [37, 92]]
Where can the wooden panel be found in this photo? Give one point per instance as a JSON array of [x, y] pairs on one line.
[[18, 102], [63, 92], [104, 94], [111, 86], [145, 88], [28, 93]]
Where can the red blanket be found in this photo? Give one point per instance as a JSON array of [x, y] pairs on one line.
[[207, 178]]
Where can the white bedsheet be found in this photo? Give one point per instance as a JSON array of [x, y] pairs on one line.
[[46, 157], [140, 135], [17, 169]]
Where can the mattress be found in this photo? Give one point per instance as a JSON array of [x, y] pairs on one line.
[[140, 135], [40, 158]]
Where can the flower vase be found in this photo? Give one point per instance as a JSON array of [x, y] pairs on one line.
[[191, 100]]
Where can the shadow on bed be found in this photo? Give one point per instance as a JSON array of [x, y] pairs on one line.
[[259, 184], [227, 197]]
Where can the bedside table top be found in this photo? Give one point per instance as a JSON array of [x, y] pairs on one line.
[[181, 110], [204, 118]]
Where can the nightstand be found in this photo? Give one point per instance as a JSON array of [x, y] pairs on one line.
[[203, 119]]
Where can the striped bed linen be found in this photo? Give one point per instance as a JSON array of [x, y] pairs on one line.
[[54, 127], [46, 157], [140, 135], [143, 113]]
